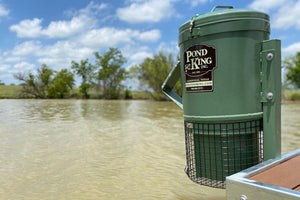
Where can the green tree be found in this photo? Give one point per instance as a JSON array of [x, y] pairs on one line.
[[44, 79], [153, 72], [62, 84], [47, 83], [86, 71], [110, 73], [36, 85], [292, 65]]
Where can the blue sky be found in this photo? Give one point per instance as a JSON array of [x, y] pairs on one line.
[[56, 32]]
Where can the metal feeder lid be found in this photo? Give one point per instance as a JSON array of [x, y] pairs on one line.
[[258, 20]]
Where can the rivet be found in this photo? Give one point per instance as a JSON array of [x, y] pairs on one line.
[[243, 197], [269, 95], [269, 56]]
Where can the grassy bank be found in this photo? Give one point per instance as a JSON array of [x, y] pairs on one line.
[[12, 92], [291, 95], [9, 91]]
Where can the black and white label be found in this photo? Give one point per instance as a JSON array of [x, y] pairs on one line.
[[199, 63]]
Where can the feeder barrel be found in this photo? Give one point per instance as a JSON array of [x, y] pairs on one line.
[[228, 92]]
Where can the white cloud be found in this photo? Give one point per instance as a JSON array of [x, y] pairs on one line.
[[108, 36], [12, 59], [136, 54], [58, 55], [4, 68], [24, 66], [150, 36], [266, 5], [27, 48], [147, 11], [288, 16], [22, 52], [195, 3], [61, 29], [28, 28], [83, 20], [105, 37], [3, 11], [62, 53], [92, 7], [56, 29], [291, 50]]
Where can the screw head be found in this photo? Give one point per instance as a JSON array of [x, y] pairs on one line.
[[243, 197], [269, 95], [269, 56]]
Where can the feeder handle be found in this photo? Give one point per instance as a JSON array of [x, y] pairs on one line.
[[214, 8], [170, 82]]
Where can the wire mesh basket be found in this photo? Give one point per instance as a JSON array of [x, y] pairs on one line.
[[217, 150]]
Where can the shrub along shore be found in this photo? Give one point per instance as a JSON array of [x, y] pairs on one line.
[[13, 92]]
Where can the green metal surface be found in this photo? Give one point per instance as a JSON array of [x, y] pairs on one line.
[[271, 83], [236, 78], [236, 34]]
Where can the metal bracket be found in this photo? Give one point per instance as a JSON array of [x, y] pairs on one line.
[[270, 58], [170, 82]]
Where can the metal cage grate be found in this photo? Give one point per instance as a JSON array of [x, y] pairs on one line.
[[217, 150]]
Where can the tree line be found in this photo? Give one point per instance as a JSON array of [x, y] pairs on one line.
[[106, 76], [292, 66]]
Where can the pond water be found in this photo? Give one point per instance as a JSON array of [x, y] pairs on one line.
[[96, 149]]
